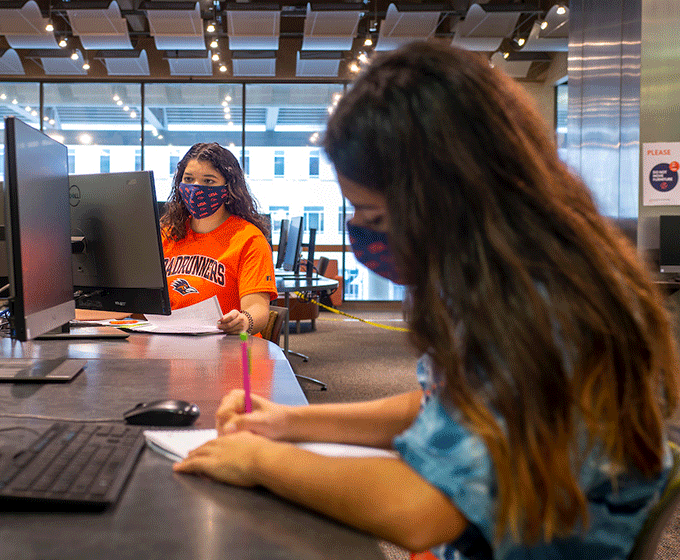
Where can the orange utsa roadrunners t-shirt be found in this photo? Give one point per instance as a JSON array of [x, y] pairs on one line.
[[230, 262]]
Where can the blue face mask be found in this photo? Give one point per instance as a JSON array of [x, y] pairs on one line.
[[202, 201], [371, 249]]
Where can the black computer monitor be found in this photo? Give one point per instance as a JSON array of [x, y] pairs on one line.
[[119, 264], [3, 244], [311, 247], [291, 258], [669, 244], [283, 241], [37, 231]]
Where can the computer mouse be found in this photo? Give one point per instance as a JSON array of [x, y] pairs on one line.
[[166, 412]]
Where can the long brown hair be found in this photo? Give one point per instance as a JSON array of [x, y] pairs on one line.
[[240, 202], [535, 309]]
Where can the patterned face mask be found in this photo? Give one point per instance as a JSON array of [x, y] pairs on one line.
[[371, 249], [202, 201]]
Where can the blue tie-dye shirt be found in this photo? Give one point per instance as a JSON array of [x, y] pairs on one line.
[[439, 447]]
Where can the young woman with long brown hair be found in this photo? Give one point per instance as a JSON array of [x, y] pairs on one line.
[[548, 363], [214, 240]]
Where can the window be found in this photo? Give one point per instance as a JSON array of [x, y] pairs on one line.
[[277, 214], [342, 219], [561, 106], [174, 161], [314, 163], [71, 160], [100, 123], [314, 218], [246, 163], [105, 161], [138, 159], [278, 163]]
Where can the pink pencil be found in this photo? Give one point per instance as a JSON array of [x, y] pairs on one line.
[[245, 363]]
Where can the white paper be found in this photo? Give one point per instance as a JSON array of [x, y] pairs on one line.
[[200, 318], [660, 165], [176, 445]]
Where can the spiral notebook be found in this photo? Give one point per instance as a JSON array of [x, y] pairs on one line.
[[176, 444]]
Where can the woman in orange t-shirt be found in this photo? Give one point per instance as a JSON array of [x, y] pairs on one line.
[[213, 241]]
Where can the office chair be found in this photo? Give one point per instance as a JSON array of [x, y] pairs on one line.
[[273, 328], [659, 516], [272, 333]]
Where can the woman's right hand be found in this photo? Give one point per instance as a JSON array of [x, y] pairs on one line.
[[267, 418]]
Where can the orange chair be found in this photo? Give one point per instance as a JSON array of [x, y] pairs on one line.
[[331, 271]]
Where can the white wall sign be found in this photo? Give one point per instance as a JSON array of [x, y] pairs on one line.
[[660, 174]]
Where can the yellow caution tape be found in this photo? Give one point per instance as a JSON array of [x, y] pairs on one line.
[[333, 310]]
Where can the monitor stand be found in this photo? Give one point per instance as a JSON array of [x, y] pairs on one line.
[[28, 370], [69, 332]]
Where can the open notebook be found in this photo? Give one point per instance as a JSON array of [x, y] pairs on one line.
[[176, 444]]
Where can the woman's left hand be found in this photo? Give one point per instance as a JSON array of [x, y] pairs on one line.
[[228, 458], [233, 322]]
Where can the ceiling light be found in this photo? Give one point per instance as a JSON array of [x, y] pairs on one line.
[[544, 25], [363, 58], [86, 65], [49, 26], [28, 109], [213, 44], [46, 119], [34, 113], [119, 102], [3, 96], [116, 97], [216, 57], [160, 137], [227, 98], [133, 114], [15, 102], [74, 56], [126, 108], [210, 28], [52, 122], [368, 42], [521, 41], [63, 42], [561, 10], [506, 54], [85, 139], [354, 67]]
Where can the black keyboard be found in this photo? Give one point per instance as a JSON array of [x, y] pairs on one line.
[[71, 465]]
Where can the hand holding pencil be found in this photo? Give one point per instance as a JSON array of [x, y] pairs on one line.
[[267, 418]]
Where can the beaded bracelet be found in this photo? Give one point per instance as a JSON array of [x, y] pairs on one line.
[[251, 323]]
